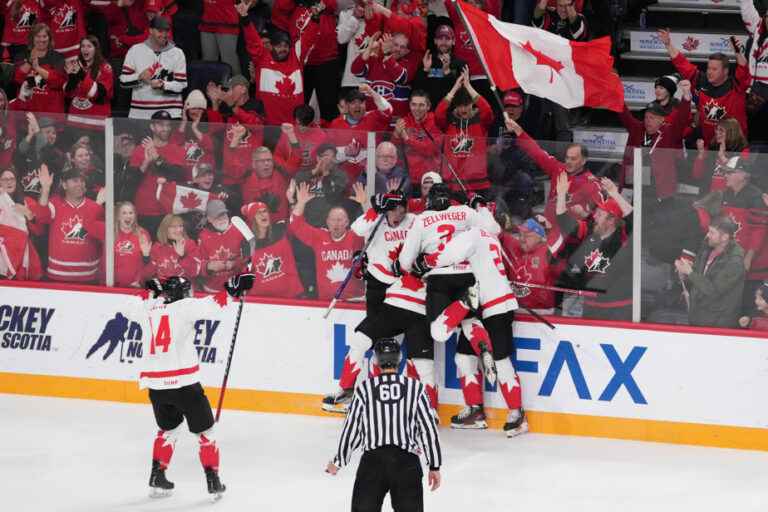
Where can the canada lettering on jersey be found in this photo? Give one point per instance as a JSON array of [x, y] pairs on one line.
[[336, 255], [442, 217], [395, 236], [25, 327]]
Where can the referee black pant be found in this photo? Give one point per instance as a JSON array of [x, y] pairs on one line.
[[388, 469]]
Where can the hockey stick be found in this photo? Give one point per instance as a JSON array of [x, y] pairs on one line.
[[244, 230], [231, 353], [357, 259], [573, 291]]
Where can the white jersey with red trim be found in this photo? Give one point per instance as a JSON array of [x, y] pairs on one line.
[[170, 360], [432, 230], [408, 292], [385, 246], [483, 251]]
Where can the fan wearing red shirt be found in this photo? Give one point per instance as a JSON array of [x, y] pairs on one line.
[[300, 138], [220, 246], [333, 247], [20, 16], [267, 182], [417, 133], [193, 134], [132, 247], [90, 86], [67, 21], [174, 254], [42, 69], [128, 25]]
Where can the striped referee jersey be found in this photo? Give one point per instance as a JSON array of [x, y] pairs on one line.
[[390, 409]]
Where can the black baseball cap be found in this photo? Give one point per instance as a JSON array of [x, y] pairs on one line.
[[160, 23], [161, 115]]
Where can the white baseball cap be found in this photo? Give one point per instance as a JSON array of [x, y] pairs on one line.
[[432, 175]]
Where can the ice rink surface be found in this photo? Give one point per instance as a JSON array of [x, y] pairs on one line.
[[78, 455]]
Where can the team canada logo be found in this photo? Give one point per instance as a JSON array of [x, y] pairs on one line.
[[31, 182], [595, 261], [466, 40], [73, 228], [337, 272], [27, 18], [192, 151], [124, 247], [691, 44], [269, 266], [39, 82], [461, 144], [714, 111], [65, 17]]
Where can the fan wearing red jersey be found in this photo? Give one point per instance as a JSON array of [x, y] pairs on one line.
[[221, 254], [171, 373]]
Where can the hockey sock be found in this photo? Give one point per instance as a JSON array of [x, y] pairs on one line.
[[476, 334], [162, 449], [358, 346], [209, 452], [509, 383], [442, 327], [470, 379], [424, 370]]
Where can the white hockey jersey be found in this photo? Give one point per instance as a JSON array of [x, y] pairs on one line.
[[409, 293], [433, 229], [168, 65], [484, 253], [170, 359], [384, 248]]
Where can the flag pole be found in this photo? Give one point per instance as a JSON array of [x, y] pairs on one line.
[[480, 54]]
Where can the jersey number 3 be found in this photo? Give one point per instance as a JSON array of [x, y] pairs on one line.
[[390, 392], [162, 338]]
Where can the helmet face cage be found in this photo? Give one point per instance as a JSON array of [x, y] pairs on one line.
[[439, 197], [387, 352], [176, 288]]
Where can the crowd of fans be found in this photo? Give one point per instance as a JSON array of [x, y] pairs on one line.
[[281, 139]]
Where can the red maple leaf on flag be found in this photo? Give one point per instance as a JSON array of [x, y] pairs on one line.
[[285, 87], [190, 201], [555, 66]]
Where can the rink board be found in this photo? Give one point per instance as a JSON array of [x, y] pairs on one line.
[[656, 383]]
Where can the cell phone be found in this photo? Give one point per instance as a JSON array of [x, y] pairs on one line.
[[736, 44]]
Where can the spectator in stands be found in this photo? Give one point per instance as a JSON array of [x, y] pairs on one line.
[[125, 181], [583, 186], [89, 86], [234, 103], [755, 17], [37, 147], [220, 243], [174, 254], [157, 157], [465, 117], [333, 246], [661, 141], [351, 31], [440, 71], [193, 134], [564, 21], [302, 137], [156, 71], [132, 247], [42, 69], [715, 279], [759, 322], [76, 228], [417, 205], [219, 29], [20, 17], [278, 71], [419, 137], [8, 130], [19, 216], [378, 65], [326, 183], [127, 25], [80, 158], [239, 143], [267, 183], [603, 260], [664, 89], [273, 261], [719, 95], [729, 141], [349, 130], [388, 173], [67, 21]]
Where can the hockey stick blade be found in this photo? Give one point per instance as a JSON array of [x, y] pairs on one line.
[[244, 230]]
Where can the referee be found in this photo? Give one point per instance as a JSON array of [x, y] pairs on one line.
[[391, 418]]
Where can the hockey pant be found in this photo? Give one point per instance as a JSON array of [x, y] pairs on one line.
[[445, 310], [171, 407], [499, 327]]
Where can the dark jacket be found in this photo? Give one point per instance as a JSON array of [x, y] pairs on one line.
[[716, 295]]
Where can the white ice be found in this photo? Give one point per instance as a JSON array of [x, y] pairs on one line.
[[78, 455]]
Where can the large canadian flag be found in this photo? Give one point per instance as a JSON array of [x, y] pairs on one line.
[[570, 73]]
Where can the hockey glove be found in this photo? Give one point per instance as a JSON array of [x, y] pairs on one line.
[[421, 266], [362, 265], [155, 287], [386, 202], [476, 200], [237, 285], [396, 270]]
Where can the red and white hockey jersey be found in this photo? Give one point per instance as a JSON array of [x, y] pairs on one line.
[[408, 292], [385, 247], [129, 261], [74, 250], [275, 269], [91, 99], [196, 151], [147, 193], [171, 360], [224, 247], [165, 261], [433, 229]]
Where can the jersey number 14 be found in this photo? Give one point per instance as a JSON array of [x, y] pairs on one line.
[[162, 338]]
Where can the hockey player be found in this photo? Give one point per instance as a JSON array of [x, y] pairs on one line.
[[497, 304], [172, 375]]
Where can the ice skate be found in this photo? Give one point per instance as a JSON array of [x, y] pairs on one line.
[[516, 423], [470, 417], [339, 401], [159, 486], [215, 487]]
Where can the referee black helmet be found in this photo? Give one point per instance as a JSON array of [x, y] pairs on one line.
[[387, 352]]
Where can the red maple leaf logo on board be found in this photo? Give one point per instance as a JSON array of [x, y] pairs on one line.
[[285, 87], [555, 66], [190, 201]]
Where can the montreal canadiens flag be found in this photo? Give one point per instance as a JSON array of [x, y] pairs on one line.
[[573, 74]]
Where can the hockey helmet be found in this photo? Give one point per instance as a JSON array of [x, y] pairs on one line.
[[176, 288], [387, 352], [439, 197]]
